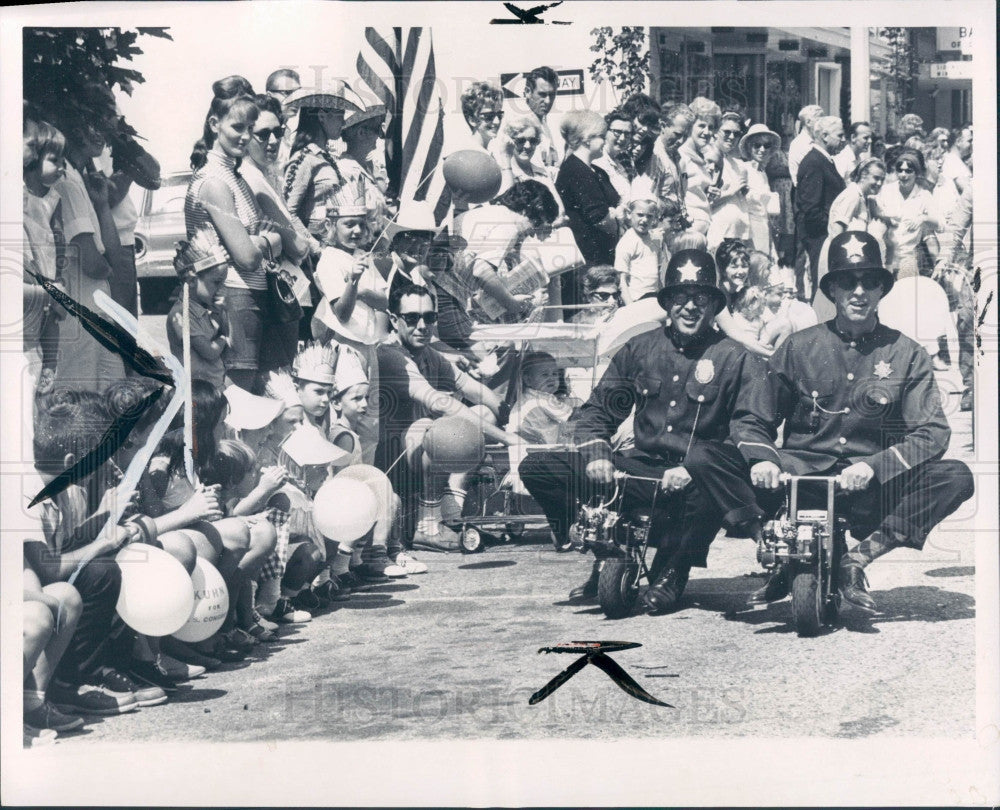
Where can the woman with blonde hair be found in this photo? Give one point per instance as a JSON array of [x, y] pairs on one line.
[[702, 189], [513, 150], [587, 193]]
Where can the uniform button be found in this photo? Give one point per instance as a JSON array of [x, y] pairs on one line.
[[676, 378], [853, 344], [645, 391], [842, 440], [850, 376], [673, 402], [701, 397], [670, 428], [847, 410], [815, 393], [884, 401]]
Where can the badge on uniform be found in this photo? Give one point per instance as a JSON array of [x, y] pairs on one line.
[[883, 370], [704, 371]]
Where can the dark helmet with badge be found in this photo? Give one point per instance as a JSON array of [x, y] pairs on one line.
[[854, 252], [691, 268]]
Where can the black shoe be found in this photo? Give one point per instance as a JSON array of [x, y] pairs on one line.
[[664, 594], [371, 573], [854, 586], [308, 601], [589, 588], [150, 672], [332, 591], [349, 581], [776, 589]]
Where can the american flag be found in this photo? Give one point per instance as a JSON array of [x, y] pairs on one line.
[[397, 65]]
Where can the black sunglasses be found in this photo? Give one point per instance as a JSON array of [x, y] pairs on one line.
[[681, 297], [600, 295], [527, 141], [490, 115], [264, 135], [411, 319], [868, 281]]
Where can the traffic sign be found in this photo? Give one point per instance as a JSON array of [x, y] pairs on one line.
[[570, 83]]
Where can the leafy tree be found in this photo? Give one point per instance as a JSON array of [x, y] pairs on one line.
[[902, 71], [622, 59], [69, 73]]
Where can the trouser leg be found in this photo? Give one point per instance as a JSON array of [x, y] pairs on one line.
[[99, 584], [557, 481]]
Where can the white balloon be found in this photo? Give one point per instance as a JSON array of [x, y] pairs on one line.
[[374, 478], [211, 603], [156, 596], [344, 510]]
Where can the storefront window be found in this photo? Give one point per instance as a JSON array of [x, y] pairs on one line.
[[784, 95]]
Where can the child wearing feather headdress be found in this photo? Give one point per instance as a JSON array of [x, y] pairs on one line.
[[202, 264]]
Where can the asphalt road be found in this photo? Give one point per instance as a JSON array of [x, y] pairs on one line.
[[452, 654]]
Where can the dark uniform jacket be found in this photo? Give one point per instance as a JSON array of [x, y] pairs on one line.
[[681, 395], [870, 399], [818, 185]]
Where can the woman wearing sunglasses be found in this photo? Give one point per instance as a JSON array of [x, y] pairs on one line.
[[514, 150], [910, 241]]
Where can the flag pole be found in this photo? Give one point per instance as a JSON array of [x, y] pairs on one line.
[[188, 397]]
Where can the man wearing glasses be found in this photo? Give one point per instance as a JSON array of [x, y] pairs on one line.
[[280, 85], [416, 385], [685, 382], [859, 401]]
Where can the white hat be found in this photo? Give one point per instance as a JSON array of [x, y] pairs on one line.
[[281, 386], [753, 132], [248, 411], [374, 111], [349, 200], [350, 371], [412, 216], [307, 446], [315, 363]]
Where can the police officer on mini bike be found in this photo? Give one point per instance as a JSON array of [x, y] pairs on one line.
[[858, 401], [685, 381]]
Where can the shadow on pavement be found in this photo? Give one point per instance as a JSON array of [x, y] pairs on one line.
[[482, 566], [390, 587], [954, 571], [373, 602], [196, 695]]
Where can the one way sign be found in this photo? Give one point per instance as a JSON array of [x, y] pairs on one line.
[[570, 83]]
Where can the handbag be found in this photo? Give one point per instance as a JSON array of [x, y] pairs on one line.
[[285, 306]]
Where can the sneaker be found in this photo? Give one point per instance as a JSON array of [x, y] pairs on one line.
[[150, 672], [333, 590], [239, 639], [444, 539], [48, 716], [371, 573], [178, 670], [185, 655], [92, 699], [260, 633], [307, 600], [409, 563], [145, 692], [284, 613], [349, 581], [394, 571], [258, 619]]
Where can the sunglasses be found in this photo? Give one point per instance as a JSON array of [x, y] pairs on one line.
[[868, 281], [491, 115], [728, 133], [264, 135], [905, 169], [600, 295], [411, 319], [681, 297], [527, 141]]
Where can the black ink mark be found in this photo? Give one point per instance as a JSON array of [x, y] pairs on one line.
[[981, 320], [594, 653], [110, 335], [531, 16], [112, 439]]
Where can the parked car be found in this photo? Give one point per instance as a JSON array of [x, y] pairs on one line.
[[159, 229]]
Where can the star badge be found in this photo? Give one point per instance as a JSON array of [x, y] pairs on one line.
[[854, 249], [883, 370], [689, 271]]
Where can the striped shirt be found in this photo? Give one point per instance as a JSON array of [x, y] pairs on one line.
[[223, 167]]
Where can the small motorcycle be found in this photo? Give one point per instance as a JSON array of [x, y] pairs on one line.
[[808, 544], [620, 542]]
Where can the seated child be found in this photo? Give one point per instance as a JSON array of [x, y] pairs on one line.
[[543, 410], [639, 255], [202, 264]]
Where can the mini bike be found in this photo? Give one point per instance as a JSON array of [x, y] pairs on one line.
[[808, 545], [620, 542]]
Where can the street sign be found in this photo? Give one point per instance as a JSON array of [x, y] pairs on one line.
[[570, 83]]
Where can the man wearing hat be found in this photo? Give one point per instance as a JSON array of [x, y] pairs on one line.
[[685, 381], [858, 401]]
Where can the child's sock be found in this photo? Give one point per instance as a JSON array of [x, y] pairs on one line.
[[341, 563]]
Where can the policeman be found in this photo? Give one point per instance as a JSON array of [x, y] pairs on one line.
[[859, 401], [685, 382]]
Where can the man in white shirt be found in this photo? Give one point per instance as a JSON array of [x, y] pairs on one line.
[[803, 142], [540, 89], [281, 84], [859, 143]]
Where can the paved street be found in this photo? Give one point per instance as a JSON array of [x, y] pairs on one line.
[[453, 654]]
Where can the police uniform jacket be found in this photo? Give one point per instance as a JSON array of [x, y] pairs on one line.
[[843, 399], [681, 394]]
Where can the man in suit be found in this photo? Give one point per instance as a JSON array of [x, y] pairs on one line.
[[818, 184]]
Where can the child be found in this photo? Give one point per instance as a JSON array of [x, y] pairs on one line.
[[639, 256], [44, 166], [543, 410], [312, 372], [202, 264], [371, 560]]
